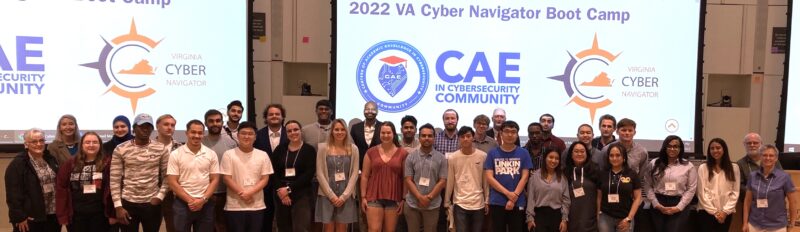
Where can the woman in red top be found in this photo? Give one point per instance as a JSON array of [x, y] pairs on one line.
[[79, 196], [382, 181]]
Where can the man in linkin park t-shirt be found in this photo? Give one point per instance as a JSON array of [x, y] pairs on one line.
[[506, 170]]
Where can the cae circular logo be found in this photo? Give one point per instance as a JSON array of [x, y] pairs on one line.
[[384, 72]]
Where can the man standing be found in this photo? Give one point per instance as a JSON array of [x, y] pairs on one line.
[[751, 161], [245, 171], [585, 135], [267, 139], [498, 118], [317, 132], [466, 184], [137, 171], [534, 145], [165, 127], [447, 140], [219, 144], [607, 126], [235, 110], [425, 175], [193, 174], [408, 126], [637, 161], [366, 134], [481, 141], [549, 140], [506, 170]]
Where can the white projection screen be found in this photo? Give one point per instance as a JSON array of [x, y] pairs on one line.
[[791, 110], [576, 60], [96, 59]]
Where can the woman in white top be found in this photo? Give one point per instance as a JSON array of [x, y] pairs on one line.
[[718, 187], [337, 172]]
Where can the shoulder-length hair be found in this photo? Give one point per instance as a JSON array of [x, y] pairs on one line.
[[331, 141], [543, 165], [80, 156], [725, 160], [395, 139], [663, 160], [622, 151], [569, 163], [60, 134]]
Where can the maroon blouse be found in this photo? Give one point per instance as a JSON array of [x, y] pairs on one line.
[[386, 178]]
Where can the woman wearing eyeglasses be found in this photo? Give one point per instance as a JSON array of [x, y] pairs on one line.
[[670, 184]]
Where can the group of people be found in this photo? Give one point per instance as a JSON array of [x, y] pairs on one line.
[[232, 176]]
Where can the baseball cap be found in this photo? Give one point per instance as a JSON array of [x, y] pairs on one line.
[[142, 119]]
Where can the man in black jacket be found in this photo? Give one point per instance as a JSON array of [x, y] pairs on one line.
[[30, 186]]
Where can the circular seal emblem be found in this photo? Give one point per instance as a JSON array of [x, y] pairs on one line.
[[393, 74]]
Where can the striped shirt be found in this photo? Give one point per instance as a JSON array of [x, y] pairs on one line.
[[136, 172]]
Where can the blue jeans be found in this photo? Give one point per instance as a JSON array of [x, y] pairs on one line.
[[185, 220], [609, 224], [468, 220]]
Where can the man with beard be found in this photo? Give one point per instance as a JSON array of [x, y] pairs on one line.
[[365, 134], [408, 126], [219, 144], [231, 127], [267, 139], [317, 132], [549, 140], [446, 141], [607, 126]]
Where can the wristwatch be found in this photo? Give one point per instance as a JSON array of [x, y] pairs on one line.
[[205, 199], [627, 219]]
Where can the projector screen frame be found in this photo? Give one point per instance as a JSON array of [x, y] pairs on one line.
[[780, 138], [250, 98], [698, 117]]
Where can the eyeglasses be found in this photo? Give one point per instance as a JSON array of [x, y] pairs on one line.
[[40, 141], [674, 147]]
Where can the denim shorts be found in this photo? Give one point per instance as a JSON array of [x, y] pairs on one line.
[[386, 204]]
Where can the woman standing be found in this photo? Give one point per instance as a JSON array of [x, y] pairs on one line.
[[337, 173], [581, 177], [382, 181], [122, 132], [79, 193], [718, 187], [548, 196], [30, 187], [670, 186], [768, 191], [65, 145], [620, 192], [295, 165]]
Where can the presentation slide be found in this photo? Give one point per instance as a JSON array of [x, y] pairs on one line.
[[791, 136], [576, 60], [96, 59]]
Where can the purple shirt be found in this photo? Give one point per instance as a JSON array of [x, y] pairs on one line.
[[774, 188]]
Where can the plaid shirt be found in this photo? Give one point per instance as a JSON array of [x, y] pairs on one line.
[[445, 144], [47, 178]]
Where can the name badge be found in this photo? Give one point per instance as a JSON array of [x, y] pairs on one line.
[[671, 186], [97, 176], [249, 182], [290, 172], [89, 188], [339, 176], [613, 198], [423, 181], [762, 203], [578, 192]]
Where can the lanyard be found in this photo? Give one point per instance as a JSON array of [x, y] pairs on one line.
[[574, 178], [611, 183], [296, 157], [766, 191]]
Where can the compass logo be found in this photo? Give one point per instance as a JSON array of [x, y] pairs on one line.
[[124, 65], [586, 80]]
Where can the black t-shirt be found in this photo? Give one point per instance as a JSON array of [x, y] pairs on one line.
[[86, 202], [622, 183]]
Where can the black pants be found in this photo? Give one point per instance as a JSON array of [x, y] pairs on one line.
[[547, 219], [507, 220], [244, 221], [669, 223], [709, 223], [49, 225], [295, 217], [643, 222], [145, 213], [88, 222], [269, 213]]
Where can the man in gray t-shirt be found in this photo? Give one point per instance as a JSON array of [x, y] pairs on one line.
[[219, 144]]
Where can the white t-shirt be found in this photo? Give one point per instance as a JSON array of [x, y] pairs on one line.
[[246, 169], [193, 170]]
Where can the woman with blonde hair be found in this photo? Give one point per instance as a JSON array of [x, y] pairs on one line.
[[337, 173], [65, 145]]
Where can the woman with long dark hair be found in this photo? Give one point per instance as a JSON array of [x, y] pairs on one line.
[[382, 181], [548, 196], [620, 192], [79, 189], [718, 187], [670, 186], [581, 175]]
